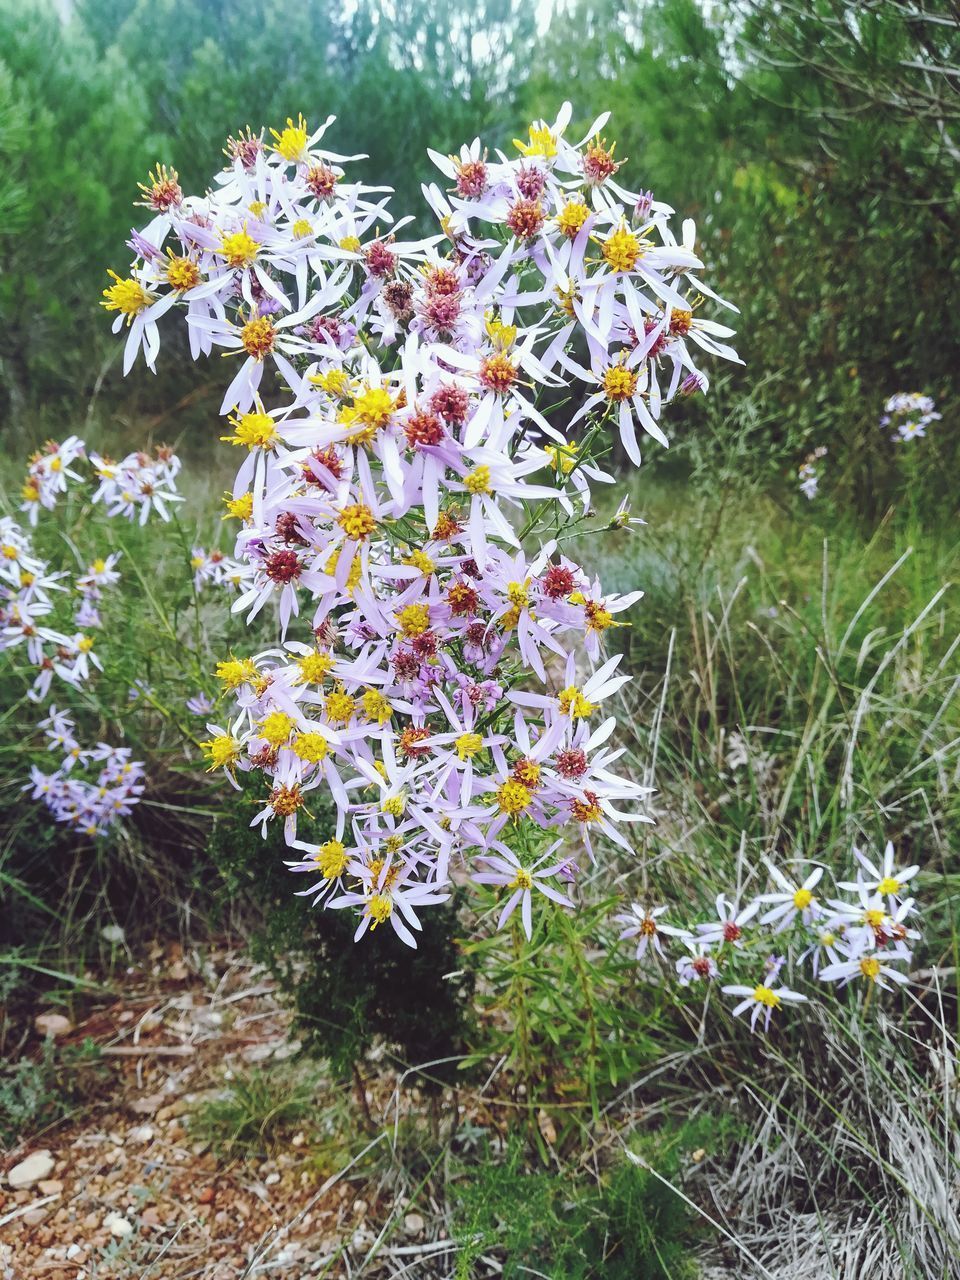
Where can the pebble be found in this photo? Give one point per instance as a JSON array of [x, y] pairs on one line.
[[271, 1179], [172, 1109], [118, 1226], [37, 1166], [52, 1024], [143, 1133], [413, 1224], [50, 1186]]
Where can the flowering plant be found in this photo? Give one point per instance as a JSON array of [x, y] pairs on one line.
[[51, 616], [408, 489], [909, 413], [864, 935]]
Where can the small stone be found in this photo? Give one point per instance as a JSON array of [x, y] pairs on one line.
[[143, 1133], [50, 1187], [52, 1024], [74, 1252], [359, 1207], [34, 1217], [172, 1109], [698, 1155], [36, 1166], [206, 1196], [118, 1226], [413, 1224], [151, 1217], [271, 1179], [298, 1139], [147, 1105]]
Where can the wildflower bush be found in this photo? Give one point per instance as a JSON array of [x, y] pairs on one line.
[[446, 406], [419, 384]]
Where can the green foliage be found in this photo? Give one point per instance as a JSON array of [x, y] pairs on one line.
[[344, 995], [257, 1111], [634, 1224], [158, 646], [74, 131], [36, 1092], [560, 1010]]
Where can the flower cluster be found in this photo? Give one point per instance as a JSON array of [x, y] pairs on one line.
[[135, 487], [808, 473], [864, 936], [50, 616], [421, 422], [91, 805], [215, 568], [909, 413]]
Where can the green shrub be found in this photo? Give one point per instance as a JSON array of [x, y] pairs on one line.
[[344, 995]]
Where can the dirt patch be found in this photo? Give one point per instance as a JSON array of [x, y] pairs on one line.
[[134, 1191]]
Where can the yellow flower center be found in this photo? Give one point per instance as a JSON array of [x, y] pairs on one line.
[[468, 744], [376, 706], [420, 560], [257, 337], [623, 250], [350, 244], [315, 667], [239, 249], [357, 521], [276, 728], [619, 383], [255, 430], [301, 229], [503, 336], [414, 619], [522, 880], [222, 751], [571, 218], [802, 899], [311, 747], [331, 859], [764, 995], [517, 594], [126, 296], [563, 457], [573, 703], [240, 508], [379, 909], [292, 142], [183, 274], [870, 967], [336, 382], [889, 885], [477, 481], [372, 407], [340, 706], [394, 805], [235, 672], [542, 142], [513, 797]]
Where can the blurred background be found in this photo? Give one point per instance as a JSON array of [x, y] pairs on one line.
[[812, 142]]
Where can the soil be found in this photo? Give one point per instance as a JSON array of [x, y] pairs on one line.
[[133, 1192]]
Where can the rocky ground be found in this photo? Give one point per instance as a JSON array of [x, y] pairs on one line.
[[125, 1185]]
